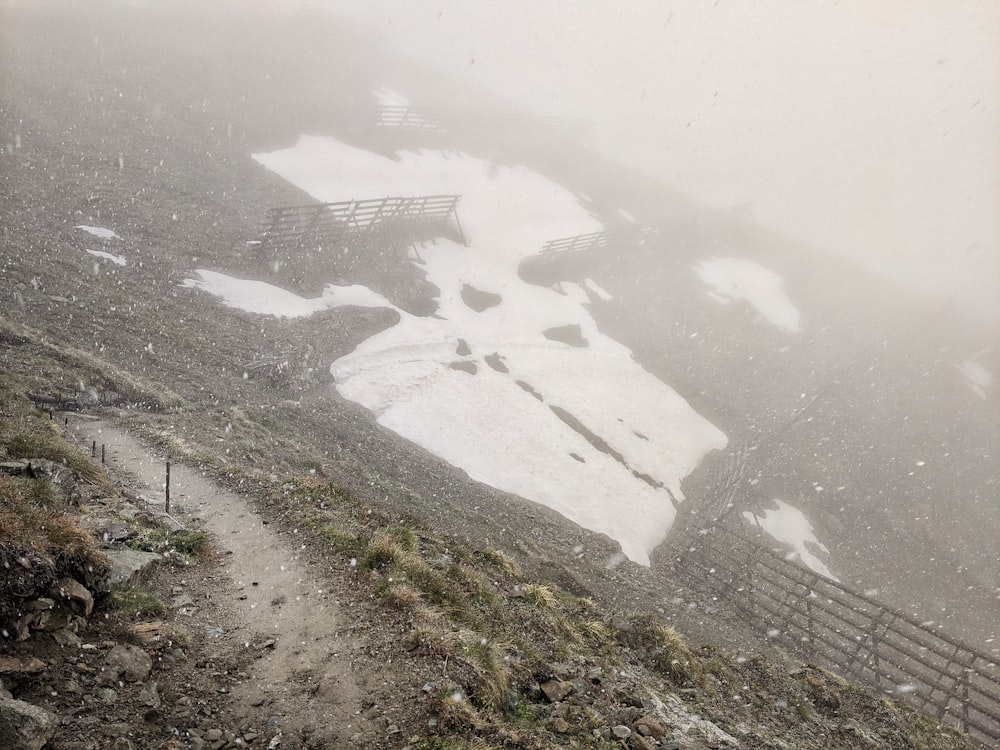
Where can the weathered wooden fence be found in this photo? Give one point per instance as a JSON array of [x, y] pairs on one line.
[[447, 121], [635, 236], [849, 632], [569, 257], [327, 224]]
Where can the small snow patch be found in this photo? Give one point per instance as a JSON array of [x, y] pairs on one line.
[[389, 98], [116, 259], [979, 379], [101, 232], [592, 286], [789, 525], [266, 299], [736, 278]]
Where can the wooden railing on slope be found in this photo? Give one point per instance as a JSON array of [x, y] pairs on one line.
[[851, 633], [570, 257], [329, 222]]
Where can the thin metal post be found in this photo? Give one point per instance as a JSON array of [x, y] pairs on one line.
[[167, 508], [102, 453], [93, 449]]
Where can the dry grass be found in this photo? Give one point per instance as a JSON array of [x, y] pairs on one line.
[[404, 597], [663, 650], [493, 679], [540, 596], [134, 387]]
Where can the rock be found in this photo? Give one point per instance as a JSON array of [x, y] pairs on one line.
[[213, 734], [114, 530], [66, 637], [118, 729], [14, 468], [556, 690], [106, 695], [130, 661], [24, 726], [150, 632], [39, 605], [75, 594], [150, 695], [21, 665], [123, 744], [560, 725], [650, 726], [72, 687], [638, 742], [182, 600], [51, 620], [60, 476], [127, 567], [621, 732]]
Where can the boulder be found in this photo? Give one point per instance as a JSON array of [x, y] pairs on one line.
[[60, 476], [556, 690], [21, 665], [75, 594], [127, 567], [129, 661], [24, 726], [650, 726]]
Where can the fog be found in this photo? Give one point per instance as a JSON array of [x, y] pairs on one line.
[[866, 128]]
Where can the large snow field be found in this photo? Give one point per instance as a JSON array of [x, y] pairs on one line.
[[475, 388]]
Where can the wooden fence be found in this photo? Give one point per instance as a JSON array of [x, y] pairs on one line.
[[851, 633], [446, 121], [570, 257], [634, 236], [421, 217]]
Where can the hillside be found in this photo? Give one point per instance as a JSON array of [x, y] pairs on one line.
[[112, 119]]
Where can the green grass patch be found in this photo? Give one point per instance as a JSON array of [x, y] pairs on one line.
[[135, 602]]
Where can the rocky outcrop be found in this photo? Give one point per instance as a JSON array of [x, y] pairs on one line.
[[24, 726]]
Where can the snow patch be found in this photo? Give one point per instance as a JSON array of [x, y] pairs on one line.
[[386, 97], [101, 232], [737, 278], [979, 379], [512, 427], [116, 259], [789, 525], [266, 299], [597, 290]]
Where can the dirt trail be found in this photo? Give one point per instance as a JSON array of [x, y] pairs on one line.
[[307, 677]]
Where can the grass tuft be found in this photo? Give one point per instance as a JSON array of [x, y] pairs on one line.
[[540, 596], [135, 602], [492, 675]]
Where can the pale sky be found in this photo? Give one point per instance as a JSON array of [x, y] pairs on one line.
[[870, 127]]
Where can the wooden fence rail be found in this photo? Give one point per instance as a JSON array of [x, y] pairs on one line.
[[635, 236], [853, 634], [329, 223], [432, 120], [570, 257]]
